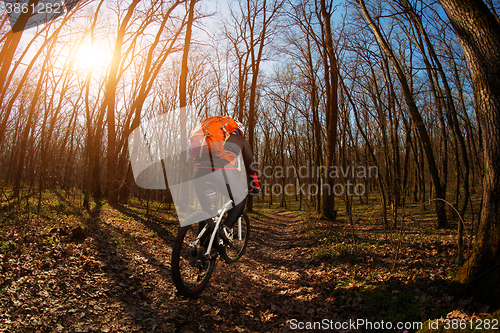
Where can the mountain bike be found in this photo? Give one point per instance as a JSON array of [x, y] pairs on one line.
[[198, 245]]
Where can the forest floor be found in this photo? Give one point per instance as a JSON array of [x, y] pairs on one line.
[[115, 276]]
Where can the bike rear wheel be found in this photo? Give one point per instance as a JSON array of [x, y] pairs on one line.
[[241, 233], [191, 271]]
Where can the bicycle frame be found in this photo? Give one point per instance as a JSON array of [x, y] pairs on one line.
[[219, 215]]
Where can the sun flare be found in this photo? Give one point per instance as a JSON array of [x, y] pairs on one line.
[[88, 56]]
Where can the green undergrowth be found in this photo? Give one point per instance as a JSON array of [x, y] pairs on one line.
[[42, 219], [391, 274], [367, 270]]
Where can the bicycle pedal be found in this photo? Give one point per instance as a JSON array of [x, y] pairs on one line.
[[212, 255]]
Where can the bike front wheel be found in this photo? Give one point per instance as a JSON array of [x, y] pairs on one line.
[[191, 270], [241, 233]]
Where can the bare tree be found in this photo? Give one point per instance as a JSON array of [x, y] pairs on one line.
[[478, 30], [259, 15], [415, 114]]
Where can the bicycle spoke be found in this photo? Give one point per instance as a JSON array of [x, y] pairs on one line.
[[191, 271], [194, 270], [241, 232]]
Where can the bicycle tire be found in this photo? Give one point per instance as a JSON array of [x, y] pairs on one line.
[[237, 250], [191, 272]]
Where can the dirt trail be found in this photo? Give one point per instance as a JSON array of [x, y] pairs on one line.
[[267, 287], [118, 280], [272, 283]]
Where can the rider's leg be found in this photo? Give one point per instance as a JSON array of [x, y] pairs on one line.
[[200, 187], [237, 191], [234, 213]]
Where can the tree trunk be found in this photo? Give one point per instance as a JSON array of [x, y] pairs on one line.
[[184, 189], [331, 84], [152, 66], [109, 104], [451, 114], [255, 58], [415, 114], [185, 69], [479, 35], [12, 41], [31, 114]]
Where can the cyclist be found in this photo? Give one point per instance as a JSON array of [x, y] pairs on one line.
[[215, 145]]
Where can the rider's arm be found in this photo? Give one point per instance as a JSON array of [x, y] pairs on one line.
[[246, 153]]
